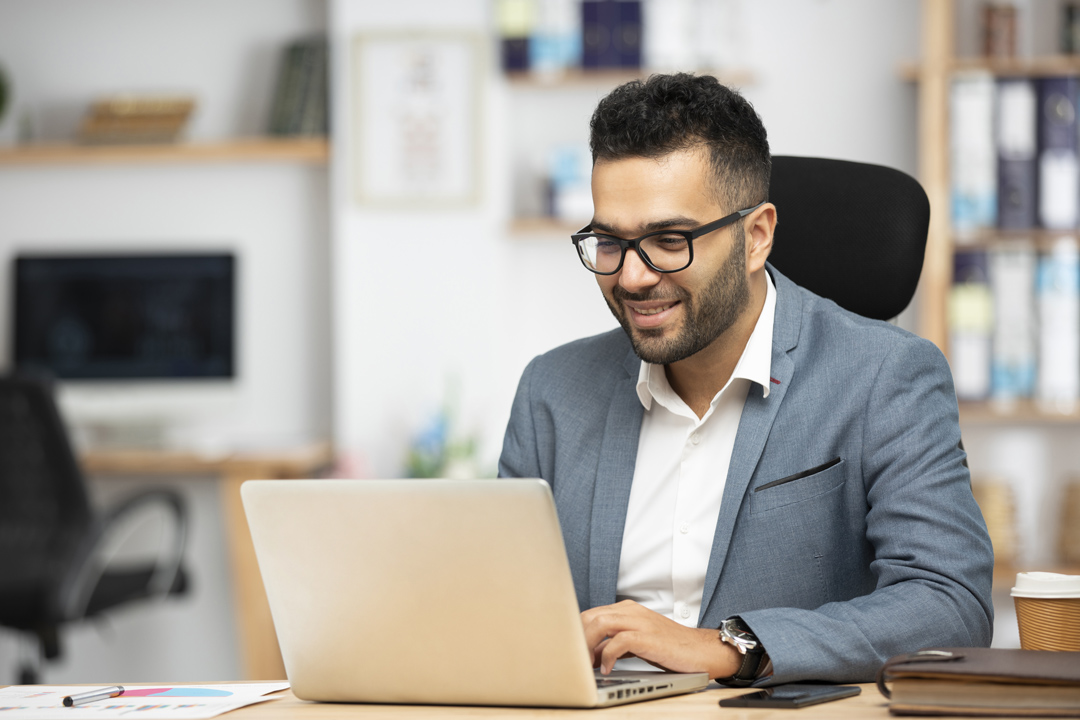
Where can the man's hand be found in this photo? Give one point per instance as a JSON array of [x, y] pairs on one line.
[[628, 629]]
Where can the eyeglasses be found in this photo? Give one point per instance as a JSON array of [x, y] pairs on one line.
[[665, 251]]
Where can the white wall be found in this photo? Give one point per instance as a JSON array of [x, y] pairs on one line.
[[62, 53], [477, 303]]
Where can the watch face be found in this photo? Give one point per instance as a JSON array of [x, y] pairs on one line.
[[740, 637]]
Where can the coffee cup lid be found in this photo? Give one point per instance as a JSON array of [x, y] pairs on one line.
[[1046, 585]]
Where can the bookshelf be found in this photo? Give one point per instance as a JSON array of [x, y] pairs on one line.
[[938, 65], [1012, 67], [299, 150], [578, 90]]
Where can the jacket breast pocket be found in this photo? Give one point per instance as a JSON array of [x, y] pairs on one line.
[[798, 487]]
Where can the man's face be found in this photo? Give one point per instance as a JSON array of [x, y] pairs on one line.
[[670, 316]]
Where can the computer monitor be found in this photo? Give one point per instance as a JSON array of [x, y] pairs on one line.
[[125, 317]]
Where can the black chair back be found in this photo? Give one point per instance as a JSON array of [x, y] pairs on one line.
[[44, 510], [852, 232], [51, 566]]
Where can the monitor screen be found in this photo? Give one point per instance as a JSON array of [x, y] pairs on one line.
[[125, 317]]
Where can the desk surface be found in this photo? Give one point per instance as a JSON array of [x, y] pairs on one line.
[[869, 704]]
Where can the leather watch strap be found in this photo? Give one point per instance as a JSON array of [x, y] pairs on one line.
[[736, 633]]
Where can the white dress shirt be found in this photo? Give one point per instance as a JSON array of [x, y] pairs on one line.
[[682, 465]]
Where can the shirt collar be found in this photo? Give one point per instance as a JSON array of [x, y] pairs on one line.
[[755, 363]]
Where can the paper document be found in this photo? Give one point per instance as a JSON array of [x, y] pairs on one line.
[[148, 702]]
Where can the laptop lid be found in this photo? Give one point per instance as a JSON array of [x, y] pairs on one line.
[[421, 591]]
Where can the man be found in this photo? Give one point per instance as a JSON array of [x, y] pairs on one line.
[[750, 480]]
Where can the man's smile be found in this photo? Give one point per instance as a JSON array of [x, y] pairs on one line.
[[650, 314]]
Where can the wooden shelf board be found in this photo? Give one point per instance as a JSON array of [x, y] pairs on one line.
[[1038, 237], [544, 226], [305, 150], [291, 462], [578, 77], [1048, 65], [1021, 411]]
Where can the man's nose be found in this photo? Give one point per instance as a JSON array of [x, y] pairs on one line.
[[635, 275]]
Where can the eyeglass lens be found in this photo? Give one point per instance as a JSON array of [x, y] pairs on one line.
[[665, 252]]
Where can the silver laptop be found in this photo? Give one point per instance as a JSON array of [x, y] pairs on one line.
[[429, 591]]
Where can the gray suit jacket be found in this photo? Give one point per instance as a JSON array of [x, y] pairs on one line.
[[847, 530]]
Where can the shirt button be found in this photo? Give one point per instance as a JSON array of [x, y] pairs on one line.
[[695, 438], [684, 528], [685, 612]]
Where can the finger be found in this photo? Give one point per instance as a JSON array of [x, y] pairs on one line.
[[604, 625], [621, 645], [597, 651]]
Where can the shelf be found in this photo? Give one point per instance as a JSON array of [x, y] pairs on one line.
[[1040, 238], [302, 150], [1007, 67], [544, 226], [581, 78], [1020, 411]]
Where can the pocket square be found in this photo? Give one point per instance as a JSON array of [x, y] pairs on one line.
[[798, 475]]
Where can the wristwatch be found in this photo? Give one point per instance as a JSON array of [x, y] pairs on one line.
[[735, 632]]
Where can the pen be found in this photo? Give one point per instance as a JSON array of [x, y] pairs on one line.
[[102, 694]]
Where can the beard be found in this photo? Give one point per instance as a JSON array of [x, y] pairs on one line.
[[706, 316]]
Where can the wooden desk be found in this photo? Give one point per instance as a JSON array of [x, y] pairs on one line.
[[869, 704], [257, 640]]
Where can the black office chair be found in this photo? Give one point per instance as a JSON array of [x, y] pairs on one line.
[[852, 232], [52, 569]]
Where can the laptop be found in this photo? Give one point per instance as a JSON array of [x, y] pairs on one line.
[[430, 592]]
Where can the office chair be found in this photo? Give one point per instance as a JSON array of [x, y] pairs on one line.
[[52, 565], [852, 232]]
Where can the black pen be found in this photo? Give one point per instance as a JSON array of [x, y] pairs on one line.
[[102, 694]]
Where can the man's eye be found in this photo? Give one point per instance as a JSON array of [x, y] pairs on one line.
[[607, 246], [670, 242]]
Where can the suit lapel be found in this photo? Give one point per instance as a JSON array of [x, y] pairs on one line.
[[758, 415], [614, 475]]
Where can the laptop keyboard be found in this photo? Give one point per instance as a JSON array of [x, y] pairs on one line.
[[609, 682]]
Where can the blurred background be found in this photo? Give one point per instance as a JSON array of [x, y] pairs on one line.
[[387, 189]]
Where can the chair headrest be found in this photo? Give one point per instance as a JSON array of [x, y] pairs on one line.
[[852, 232]]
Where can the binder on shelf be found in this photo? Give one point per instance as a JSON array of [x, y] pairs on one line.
[[1012, 280], [1058, 289], [628, 32], [666, 26], [973, 155], [555, 44], [516, 20], [1059, 161], [971, 312], [1017, 140], [611, 34]]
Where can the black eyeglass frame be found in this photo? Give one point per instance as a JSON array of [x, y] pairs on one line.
[[624, 245]]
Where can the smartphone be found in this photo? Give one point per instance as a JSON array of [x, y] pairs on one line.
[[791, 696]]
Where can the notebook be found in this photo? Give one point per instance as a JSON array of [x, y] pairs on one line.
[[429, 591]]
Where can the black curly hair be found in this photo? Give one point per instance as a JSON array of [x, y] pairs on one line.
[[666, 113]]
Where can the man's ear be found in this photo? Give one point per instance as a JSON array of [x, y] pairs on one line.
[[760, 226]]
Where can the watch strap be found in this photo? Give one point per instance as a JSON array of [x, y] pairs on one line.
[[752, 659]]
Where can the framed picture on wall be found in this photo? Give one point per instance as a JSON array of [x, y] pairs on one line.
[[417, 117]]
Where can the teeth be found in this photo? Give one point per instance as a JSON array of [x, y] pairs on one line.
[[654, 311]]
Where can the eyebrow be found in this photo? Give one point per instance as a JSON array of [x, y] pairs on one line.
[[648, 227]]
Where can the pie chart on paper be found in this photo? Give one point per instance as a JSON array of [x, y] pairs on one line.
[[175, 692]]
